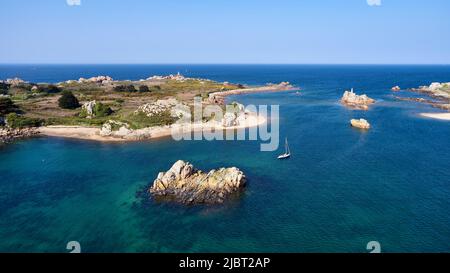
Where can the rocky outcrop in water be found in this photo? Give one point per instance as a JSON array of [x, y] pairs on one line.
[[356, 101], [360, 123], [185, 184], [396, 88], [436, 103]]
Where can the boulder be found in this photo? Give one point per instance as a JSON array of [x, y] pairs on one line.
[[360, 123], [435, 86], [185, 184], [115, 128], [89, 107], [158, 107], [234, 116], [229, 119]]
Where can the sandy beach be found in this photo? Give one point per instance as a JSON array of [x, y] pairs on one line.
[[441, 116], [93, 133]]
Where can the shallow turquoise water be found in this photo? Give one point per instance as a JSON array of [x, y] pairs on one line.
[[341, 189]]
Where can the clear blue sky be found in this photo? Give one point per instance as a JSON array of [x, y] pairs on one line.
[[225, 31]]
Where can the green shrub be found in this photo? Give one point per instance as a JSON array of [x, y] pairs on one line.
[[68, 101], [49, 89], [7, 106], [144, 88], [15, 121], [124, 88], [140, 120], [4, 88], [102, 110]]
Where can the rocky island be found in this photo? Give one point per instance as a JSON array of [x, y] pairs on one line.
[[361, 102], [184, 184], [104, 109]]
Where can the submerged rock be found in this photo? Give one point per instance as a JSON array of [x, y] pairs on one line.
[[357, 101], [360, 123], [185, 184]]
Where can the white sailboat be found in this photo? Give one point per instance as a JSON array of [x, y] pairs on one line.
[[287, 154]]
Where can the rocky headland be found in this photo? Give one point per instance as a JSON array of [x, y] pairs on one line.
[[361, 102], [440, 98], [185, 184], [219, 97]]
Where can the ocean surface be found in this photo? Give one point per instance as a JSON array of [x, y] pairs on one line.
[[341, 189]]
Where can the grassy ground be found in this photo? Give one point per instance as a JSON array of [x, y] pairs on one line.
[[42, 105]]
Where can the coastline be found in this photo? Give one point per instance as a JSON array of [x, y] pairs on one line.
[[93, 133], [440, 116]]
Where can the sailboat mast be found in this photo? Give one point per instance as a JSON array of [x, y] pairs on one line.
[[287, 147]]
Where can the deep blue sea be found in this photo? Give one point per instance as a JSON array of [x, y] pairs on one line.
[[341, 189]]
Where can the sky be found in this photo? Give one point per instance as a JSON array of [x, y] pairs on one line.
[[225, 31]]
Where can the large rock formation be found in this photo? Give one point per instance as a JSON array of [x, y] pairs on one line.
[[115, 129], [9, 134], [185, 184], [98, 79], [15, 81], [436, 90], [360, 123], [356, 101]]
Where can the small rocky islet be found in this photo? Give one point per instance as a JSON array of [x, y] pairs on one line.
[[360, 102], [185, 184], [360, 123]]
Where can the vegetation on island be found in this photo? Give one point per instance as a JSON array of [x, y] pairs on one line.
[[68, 101], [60, 103], [7, 106], [16, 121]]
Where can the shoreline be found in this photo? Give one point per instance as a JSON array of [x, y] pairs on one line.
[[439, 116], [93, 133]]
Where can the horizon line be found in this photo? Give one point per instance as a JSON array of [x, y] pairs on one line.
[[118, 63]]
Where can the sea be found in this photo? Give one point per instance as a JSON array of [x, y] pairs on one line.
[[341, 189]]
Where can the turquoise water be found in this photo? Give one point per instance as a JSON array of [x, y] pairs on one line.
[[341, 189]]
